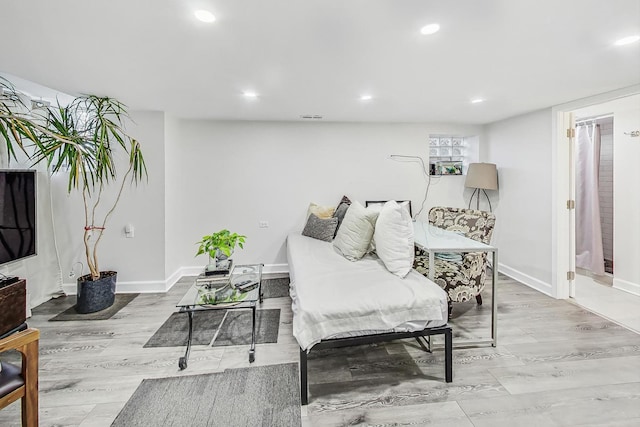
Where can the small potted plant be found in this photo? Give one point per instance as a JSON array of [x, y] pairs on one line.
[[219, 246]]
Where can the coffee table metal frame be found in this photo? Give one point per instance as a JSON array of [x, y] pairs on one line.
[[185, 306]]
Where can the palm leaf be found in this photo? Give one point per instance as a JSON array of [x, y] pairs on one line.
[[80, 139]]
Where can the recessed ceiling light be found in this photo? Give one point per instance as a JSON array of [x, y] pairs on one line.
[[366, 97], [430, 29], [477, 100], [627, 40], [204, 16], [250, 95]]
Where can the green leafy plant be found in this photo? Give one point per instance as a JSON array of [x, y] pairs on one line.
[[81, 139], [223, 241]]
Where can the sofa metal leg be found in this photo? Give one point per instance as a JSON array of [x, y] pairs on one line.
[[304, 391], [424, 342], [479, 299]]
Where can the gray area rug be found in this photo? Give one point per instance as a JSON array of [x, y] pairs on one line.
[[235, 329], [275, 288], [175, 330], [256, 396], [71, 314]]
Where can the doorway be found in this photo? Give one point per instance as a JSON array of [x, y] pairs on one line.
[[609, 284]]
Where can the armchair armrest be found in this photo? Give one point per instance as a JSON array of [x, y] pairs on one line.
[[19, 340], [26, 388]]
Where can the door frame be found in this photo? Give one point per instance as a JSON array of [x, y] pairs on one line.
[[562, 223]]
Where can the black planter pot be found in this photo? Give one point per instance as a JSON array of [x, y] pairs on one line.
[[96, 295]]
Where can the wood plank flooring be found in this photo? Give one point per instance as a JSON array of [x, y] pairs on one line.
[[556, 364]]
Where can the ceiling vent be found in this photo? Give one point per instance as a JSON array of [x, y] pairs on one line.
[[311, 117]]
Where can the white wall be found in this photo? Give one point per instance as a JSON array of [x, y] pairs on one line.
[[139, 260], [235, 174], [626, 207], [172, 189], [521, 149]]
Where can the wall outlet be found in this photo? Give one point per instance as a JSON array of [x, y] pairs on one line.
[[73, 271], [263, 224]]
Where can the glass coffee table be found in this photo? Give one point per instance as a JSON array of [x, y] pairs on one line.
[[241, 290]]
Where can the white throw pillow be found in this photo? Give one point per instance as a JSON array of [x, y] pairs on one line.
[[393, 238], [355, 232], [322, 212]]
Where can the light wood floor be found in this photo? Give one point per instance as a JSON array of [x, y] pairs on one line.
[[555, 364]]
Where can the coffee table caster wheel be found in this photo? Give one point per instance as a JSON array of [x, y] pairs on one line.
[[182, 363], [252, 356]]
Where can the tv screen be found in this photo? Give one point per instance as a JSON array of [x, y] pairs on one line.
[[17, 214]]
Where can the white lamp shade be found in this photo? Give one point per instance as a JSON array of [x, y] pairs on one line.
[[482, 175]]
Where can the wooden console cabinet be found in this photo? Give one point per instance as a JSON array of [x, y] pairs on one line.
[[13, 305]]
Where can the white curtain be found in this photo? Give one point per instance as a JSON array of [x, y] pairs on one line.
[[589, 253]]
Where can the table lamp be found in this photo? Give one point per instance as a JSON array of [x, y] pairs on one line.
[[481, 176]]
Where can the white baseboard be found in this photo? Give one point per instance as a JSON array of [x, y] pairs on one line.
[[521, 277], [186, 271], [154, 286], [624, 285], [276, 269]]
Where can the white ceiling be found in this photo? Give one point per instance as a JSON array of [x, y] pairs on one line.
[[319, 56]]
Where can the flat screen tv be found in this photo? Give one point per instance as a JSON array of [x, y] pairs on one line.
[[17, 214]]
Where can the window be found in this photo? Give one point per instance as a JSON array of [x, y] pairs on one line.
[[446, 155]]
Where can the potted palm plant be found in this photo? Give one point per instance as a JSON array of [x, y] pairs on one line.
[[219, 246], [82, 140]]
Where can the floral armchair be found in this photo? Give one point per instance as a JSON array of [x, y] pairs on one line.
[[465, 277]]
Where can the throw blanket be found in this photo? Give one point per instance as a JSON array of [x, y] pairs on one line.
[[333, 296]]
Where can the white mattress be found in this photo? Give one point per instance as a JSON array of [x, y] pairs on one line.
[[333, 296]]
